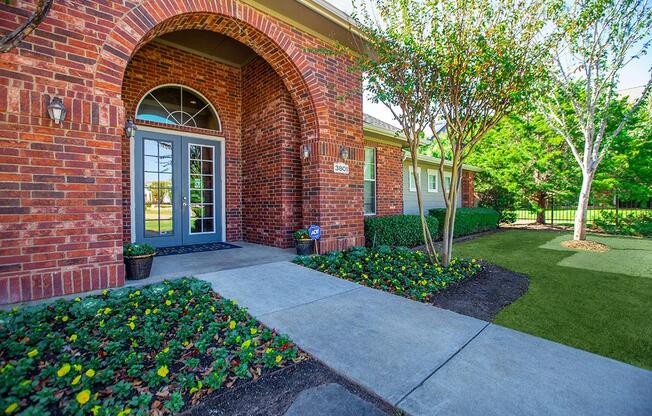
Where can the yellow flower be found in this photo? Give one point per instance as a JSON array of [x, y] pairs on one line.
[[166, 349], [232, 325], [83, 397], [163, 371], [65, 319], [185, 343], [137, 293], [156, 310], [278, 358], [131, 325], [76, 380], [104, 291], [73, 338], [170, 292], [90, 372], [77, 367], [168, 302], [246, 344], [268, 350], [65, 369], [107, 311], [11, 408], [77, 299], [253, 331], [33, 353], [147, 311], [212, 308], [124, 412], [95, 410], [101, 323]]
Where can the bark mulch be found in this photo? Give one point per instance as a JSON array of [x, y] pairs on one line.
[[485, 294], [273, 393]]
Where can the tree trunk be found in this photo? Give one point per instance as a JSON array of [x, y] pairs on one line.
[[449, 219], [427, 237], [579, 229], [541, 204]]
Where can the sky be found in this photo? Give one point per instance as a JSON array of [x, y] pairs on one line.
[[633, 75]]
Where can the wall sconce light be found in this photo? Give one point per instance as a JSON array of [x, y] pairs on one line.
[[130, 128], [305, 151], [344, 152], [56, 110]]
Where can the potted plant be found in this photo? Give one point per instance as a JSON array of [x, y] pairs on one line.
[[304, 242], [138, 260]]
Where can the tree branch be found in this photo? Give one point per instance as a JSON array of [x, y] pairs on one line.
[[12, 39]]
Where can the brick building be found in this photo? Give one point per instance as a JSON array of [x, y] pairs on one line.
[[239, 128]]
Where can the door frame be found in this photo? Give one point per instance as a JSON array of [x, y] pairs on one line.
[[132, 170]]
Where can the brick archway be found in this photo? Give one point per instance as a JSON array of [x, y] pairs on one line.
[[240, 22], [262, 34]]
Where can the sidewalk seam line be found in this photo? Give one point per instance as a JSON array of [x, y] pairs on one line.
[[308, 303], [441, 365]]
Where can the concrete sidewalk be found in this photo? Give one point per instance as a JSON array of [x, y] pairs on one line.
[[429, 361]]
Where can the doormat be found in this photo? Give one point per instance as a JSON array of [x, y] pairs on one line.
[[193, 248]]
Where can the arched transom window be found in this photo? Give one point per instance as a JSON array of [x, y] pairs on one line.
[[179, 106]]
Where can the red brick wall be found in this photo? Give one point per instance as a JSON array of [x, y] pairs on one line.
[[468, 192], [61, 224], [389, 178], [156, 64], [271, 168]]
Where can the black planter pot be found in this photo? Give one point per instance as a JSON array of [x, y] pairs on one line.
[[304, 247], [138, 267]]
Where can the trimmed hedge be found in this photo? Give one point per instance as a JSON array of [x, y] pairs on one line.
[[468, 220], [397, 230]]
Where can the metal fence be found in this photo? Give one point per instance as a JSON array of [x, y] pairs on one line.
[[561, 214]]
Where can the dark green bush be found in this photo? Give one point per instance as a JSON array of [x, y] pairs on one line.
[[397, 230], [468, 220], [633, 223]]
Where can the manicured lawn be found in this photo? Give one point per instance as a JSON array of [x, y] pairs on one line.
[[598, 302], [154, 350]]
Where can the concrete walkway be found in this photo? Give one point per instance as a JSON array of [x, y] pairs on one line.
[[429, 361]]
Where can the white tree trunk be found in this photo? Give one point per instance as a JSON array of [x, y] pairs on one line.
[[579, 229]]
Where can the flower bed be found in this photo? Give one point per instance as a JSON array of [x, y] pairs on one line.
[[152, 350], [399, 270]]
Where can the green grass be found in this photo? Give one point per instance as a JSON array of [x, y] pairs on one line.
[[598, 302], [567, 215]]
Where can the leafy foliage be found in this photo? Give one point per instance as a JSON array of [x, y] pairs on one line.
[[470, 220], [142, 351], [133, 250], [397, 270], [397, 230], [632, 223], [301, 235], [594, 41]]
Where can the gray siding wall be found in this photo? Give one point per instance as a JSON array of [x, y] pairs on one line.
[[430, 199]]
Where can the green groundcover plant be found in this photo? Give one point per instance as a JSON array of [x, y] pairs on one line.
[[397, 270], [153, 350]]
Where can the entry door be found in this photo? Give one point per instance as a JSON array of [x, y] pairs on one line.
[[177, 189]]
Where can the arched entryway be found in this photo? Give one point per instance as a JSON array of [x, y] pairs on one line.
[[228, 105]]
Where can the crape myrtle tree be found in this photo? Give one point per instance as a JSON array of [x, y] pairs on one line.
[[594, 41], [395, 68], [487, 57]]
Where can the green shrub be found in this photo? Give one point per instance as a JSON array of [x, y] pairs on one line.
[[468, 220], [633, 223], [133, 250], [397, 270], [397, 230]]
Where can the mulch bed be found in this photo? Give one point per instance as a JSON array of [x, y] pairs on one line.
[[274, 392], [586, 245], [485, 294]]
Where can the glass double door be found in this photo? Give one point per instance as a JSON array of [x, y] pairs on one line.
[[177, 189]]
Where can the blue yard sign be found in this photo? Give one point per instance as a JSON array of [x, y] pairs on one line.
[[315, 232]]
